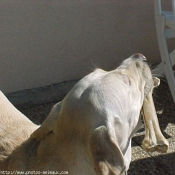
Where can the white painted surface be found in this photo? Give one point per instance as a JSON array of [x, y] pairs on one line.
[[49, 41]]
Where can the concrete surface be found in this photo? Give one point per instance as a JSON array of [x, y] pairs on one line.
[[143, 163]]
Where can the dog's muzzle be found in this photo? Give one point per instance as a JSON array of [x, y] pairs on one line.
[[139, 56]]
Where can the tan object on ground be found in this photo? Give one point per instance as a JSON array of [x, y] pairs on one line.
[[154, 139]]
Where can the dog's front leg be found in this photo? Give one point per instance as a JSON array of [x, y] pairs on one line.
[[154, 139]]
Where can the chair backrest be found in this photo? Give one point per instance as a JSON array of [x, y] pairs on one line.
[[159, 4], [173, 9]]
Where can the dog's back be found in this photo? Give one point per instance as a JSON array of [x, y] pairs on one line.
[[15, 128]]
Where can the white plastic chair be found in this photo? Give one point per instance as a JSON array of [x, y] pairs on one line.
[[165, 27]]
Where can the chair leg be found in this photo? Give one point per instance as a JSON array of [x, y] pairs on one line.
[[158, 70], [165, 57]]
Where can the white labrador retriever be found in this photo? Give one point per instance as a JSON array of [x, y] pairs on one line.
[[89, 132]]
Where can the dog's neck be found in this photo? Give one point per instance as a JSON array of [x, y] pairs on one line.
[[134, 76]]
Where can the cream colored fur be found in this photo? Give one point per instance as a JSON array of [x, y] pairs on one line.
[[15, 128], [89, 132]]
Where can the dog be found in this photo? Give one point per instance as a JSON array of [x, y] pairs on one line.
[[89, 132], [15, 128]]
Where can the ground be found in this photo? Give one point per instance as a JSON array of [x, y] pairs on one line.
[[143, 163]]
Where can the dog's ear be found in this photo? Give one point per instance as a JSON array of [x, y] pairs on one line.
[[107, 157], [48, 124]]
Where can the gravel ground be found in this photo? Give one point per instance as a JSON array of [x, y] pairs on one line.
[[143, 163]]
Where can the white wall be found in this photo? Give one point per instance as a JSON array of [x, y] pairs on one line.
[[50, 41]]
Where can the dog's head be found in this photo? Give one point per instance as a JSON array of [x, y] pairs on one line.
[[106, 154], [138, 69]]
